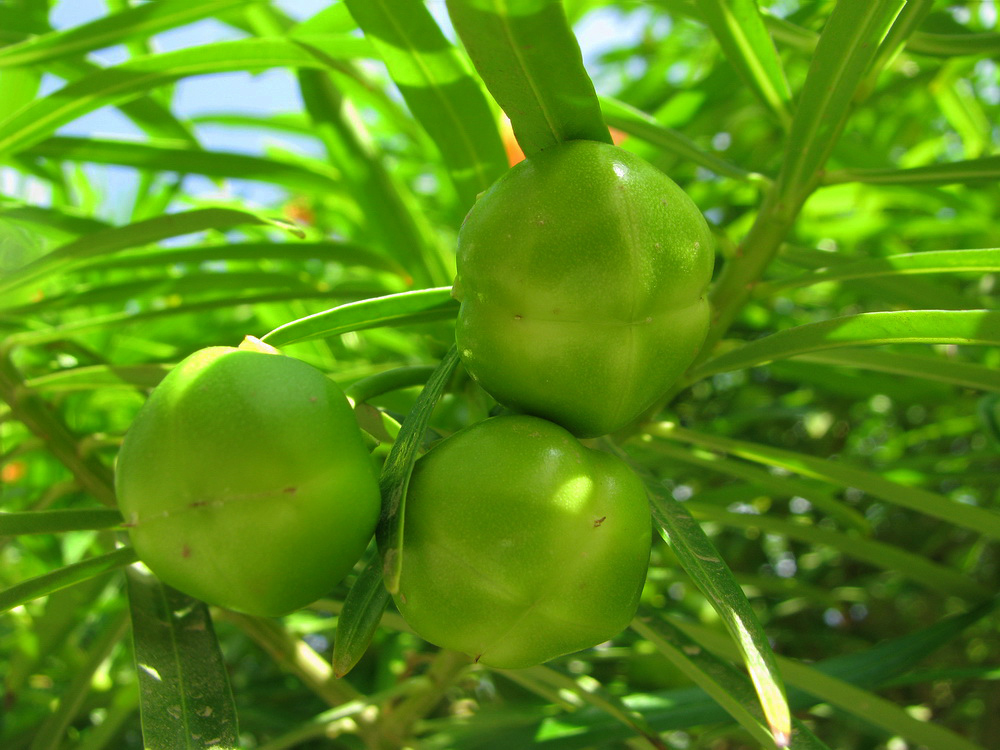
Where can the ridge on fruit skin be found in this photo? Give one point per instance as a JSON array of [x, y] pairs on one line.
[[582, 275], [244, 481], [521, 544]]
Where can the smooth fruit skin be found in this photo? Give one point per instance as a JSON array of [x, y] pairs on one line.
[[582, 274], [520, 544], [245, 482]]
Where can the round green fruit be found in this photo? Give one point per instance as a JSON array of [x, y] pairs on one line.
[[244, 481], [582, 274], [520, 544]]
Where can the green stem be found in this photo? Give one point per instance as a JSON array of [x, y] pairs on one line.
[[398, 721], [52, 732], [35, 414]]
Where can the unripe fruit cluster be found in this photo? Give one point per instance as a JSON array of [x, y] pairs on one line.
[[245, 481]]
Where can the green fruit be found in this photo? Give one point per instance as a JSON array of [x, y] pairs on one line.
[[520, 544], [582, 274], [245, 482]]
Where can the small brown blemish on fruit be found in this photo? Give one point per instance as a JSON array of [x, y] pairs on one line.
[[198, 504], [185, 552], [555, 311], [313, 399], [290, 490], [517, 317], [599, 521], [697, 245]]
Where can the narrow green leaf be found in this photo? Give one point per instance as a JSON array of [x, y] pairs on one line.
[[687, 707], [905, 264], [870, 329], [41, 118], [855, 701], [780, 486], [395, 478], [174, 156], [940, 369], [983, 44], [59, 223], [395, 309], [51, 734], [740, 31], [971, 171], [401, 229], [386, 381], [588, 691], [526, 53], [710, 573], [846, 48], [60, 578], [980, 520], [55, 521], [636, 122], [360, 617], [331, 251], [100, 376], [185, 699], [195, 284], [135, 23], [727, 686], [70, 256], [438, 89], [915, 567], [185, 307]]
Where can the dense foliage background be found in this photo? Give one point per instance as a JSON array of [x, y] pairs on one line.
[[178, 175]]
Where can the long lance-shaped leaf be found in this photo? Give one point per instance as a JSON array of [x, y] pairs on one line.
[[821, 498], [636, 122], [848, 45], [51, 733], [915, 567], [687, 707], [95, 377], [855, 701], [526, 53], [135, 23], [870, 329], [983, 44], [185, 698], [331, 251], [438, 88], [68, 575], [359, 618], [55, 521], [980, 260], [562, 684], [185, 307], [718, 678], [939, 369], [969, 44], [42, 117], [846, 49], [48, 220], [395, 309], [710, 573], [395, 478], [980, 520], [740, 31], [971, 171], [106, 241], [314, 177]]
